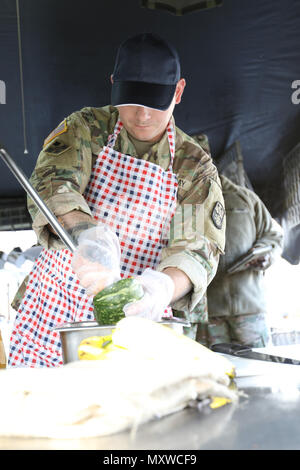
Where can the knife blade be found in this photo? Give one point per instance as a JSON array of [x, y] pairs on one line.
[[246, 352], [180, 321]]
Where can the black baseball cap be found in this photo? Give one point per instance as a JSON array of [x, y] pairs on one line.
[[146, 72]]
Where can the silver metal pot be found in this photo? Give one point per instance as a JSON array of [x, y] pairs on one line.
[[71, 334]]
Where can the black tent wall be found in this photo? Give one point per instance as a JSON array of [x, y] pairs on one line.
[[239, 60]]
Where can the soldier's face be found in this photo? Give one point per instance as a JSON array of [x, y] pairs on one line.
[[147, 124]]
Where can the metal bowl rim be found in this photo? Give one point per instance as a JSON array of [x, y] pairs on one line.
[[92, 324], [82, 325]]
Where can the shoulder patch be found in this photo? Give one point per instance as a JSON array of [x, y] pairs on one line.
[[217, 214], [57, 148], [60, 129]]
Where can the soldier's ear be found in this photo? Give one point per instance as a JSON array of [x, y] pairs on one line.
[[179, 90], [112, 79]]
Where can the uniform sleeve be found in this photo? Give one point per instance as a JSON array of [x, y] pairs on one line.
[[197, 235], [61, 174], [268, 231], [203, 141]]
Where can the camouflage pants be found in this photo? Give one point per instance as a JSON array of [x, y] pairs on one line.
[[191, 331], [251, 330], [196, 317]]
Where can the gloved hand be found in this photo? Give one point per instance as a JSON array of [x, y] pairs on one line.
[[261, 264], [96, 261], [159, 289]]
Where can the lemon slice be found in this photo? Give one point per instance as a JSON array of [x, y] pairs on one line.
[[92, 348]]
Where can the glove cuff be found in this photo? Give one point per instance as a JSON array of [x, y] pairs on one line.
[[165, 282], [79, 229]]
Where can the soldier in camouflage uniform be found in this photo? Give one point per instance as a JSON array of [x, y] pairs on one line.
[[235, 310], [62, 176], [235, 302]]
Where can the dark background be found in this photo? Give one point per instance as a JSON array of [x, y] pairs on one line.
[[239, 61]]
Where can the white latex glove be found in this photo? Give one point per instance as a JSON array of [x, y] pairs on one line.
[[96, 261], [159, 289]]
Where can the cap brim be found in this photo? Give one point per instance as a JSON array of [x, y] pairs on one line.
[[150, 95]]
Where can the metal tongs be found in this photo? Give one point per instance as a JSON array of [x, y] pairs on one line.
[[61, 232]]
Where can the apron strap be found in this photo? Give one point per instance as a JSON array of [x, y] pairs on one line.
[[170, 133], [171, 139], [113, 137]]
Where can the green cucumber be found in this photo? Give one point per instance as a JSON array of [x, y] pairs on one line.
[[109, 302]]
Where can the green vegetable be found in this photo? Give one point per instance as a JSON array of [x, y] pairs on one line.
[[109, 302]]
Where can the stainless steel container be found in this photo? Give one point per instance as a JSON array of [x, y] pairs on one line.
[[71, 334]]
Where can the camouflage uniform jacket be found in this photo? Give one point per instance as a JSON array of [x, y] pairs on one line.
[[248, 224], [64, 167]]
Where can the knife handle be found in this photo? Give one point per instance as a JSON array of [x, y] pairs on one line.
[[229, 348]]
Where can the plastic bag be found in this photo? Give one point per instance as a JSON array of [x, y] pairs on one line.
[[96, 260]]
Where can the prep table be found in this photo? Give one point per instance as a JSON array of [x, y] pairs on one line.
[[266, 417]]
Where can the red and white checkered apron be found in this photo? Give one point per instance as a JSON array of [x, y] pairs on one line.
[[137, 199]]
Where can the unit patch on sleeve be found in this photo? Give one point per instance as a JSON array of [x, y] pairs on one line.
[[217, 214], [57, 148]]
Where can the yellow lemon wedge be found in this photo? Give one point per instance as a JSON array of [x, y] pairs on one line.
[[93, 347]]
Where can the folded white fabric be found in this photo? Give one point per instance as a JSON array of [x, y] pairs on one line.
[[97, 398]]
